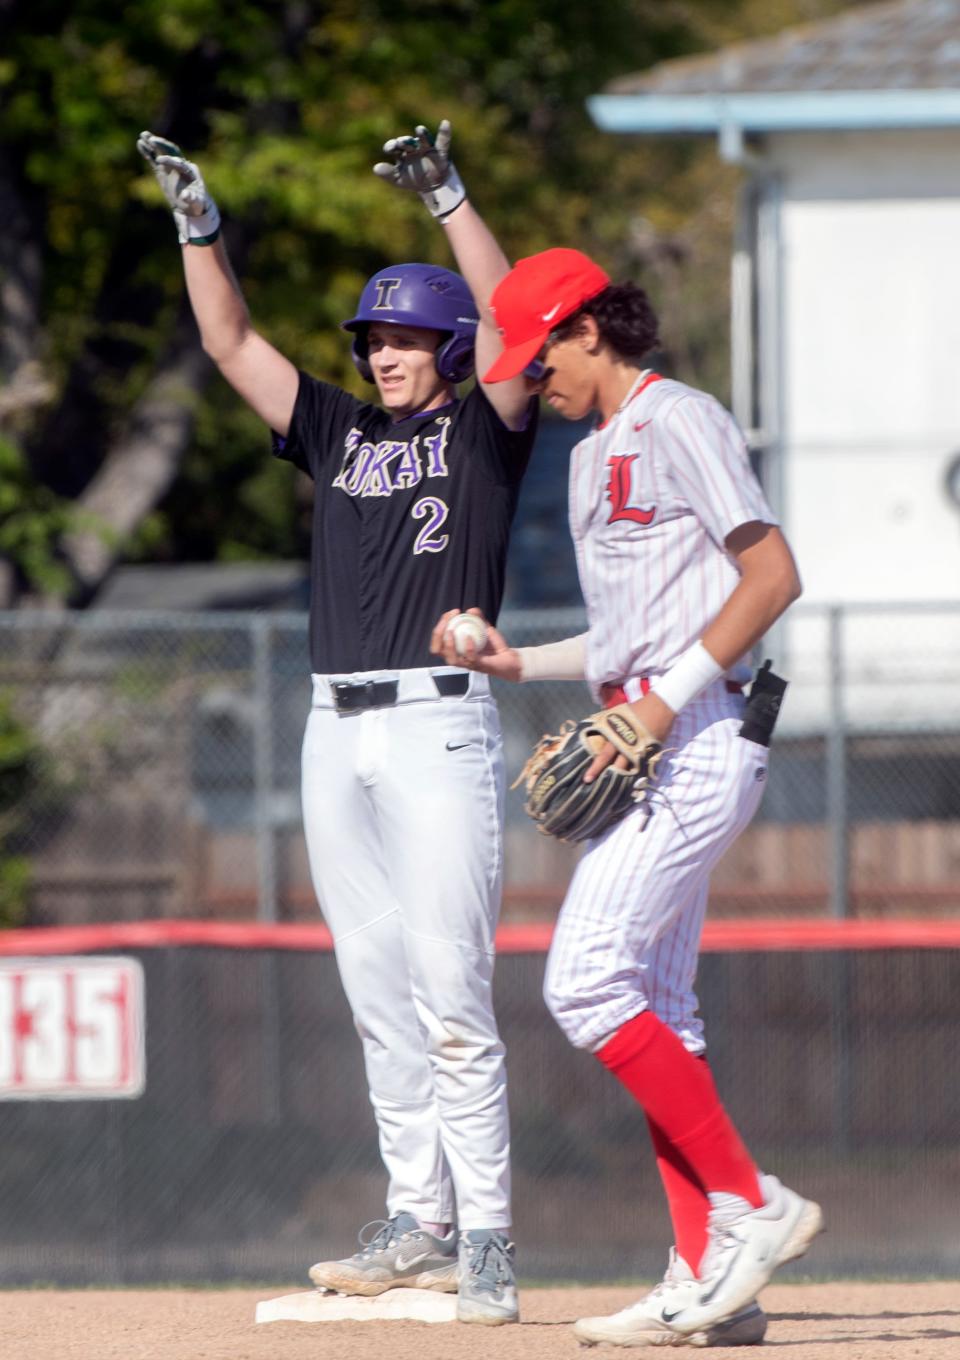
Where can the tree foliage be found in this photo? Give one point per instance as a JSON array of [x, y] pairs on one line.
[[22, 769], [285, 103]]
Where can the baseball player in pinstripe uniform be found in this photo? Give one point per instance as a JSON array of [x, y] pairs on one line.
[[402, 778], [683, 569]]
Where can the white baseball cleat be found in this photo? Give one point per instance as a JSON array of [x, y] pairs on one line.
[[744, 1247], [399, 1255], [650, 1322]]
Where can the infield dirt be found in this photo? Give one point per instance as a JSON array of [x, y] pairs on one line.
[[839, 1321]]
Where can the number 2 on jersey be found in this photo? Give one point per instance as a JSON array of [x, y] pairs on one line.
[[435, 511]]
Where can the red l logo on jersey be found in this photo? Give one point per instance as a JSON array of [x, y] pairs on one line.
[[618, 491]]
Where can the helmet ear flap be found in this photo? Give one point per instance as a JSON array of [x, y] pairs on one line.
[[359, 354], [455, 360]]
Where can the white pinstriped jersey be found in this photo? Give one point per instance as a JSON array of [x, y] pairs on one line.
[[654, 492]]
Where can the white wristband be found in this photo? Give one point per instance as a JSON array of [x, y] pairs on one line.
[[446, 197], [554, 660], [198, 231], [687, 678]]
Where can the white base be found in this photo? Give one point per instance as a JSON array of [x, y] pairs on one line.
[[423, 1305]]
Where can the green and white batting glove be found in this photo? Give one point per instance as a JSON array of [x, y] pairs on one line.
[[194, 211], [423, 165]]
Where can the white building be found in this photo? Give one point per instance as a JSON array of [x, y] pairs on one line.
[[846, 329]]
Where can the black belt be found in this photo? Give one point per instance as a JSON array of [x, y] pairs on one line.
[[452, 686], [383, 693]]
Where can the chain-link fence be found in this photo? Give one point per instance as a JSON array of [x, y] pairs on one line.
[[252, 1151], [150, 767]]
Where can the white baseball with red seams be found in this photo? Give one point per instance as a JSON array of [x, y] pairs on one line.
[[654, 493], [467, 628]]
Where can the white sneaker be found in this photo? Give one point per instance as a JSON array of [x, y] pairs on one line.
[[651, 1321], [744, 1247]]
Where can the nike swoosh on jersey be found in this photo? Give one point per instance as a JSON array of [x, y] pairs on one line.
[[457, 745]]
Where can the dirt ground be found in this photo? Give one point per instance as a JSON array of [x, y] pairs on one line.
[[852, 1321]]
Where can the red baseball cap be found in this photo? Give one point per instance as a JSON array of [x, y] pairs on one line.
[[539, 292]]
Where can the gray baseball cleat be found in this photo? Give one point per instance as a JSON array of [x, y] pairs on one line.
[[488, 1290], [652, 1321], [399, 1255]]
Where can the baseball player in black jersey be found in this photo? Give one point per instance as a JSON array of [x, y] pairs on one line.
[[402, 774]]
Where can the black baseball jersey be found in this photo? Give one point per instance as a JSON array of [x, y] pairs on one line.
[[410, 518]]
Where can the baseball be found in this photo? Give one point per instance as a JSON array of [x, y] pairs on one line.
[[467, 628]]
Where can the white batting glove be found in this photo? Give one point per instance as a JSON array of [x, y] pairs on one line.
[[194, 211], [423, 165]]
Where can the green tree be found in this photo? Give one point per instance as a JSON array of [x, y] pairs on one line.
[[22, 765], [107, 404]]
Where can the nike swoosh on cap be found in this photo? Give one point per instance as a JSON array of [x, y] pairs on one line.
[[548, 316]]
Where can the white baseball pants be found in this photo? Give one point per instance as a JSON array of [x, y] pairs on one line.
[[628, 934], [403, 815]]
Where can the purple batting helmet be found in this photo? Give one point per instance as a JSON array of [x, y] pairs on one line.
[[420, 295]]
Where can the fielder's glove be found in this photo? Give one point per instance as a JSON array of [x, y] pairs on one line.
[[558, 800], [194, 211], [423, 165]]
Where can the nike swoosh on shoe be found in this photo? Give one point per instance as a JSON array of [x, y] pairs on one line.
[[705, 1298], [403, 1263]]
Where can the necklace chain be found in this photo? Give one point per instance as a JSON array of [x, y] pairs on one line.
[[632, 392]]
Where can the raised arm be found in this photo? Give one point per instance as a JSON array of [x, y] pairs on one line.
[[422, 164], [265, 379]]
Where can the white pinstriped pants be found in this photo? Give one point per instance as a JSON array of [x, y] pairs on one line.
[[403, 811], [628, 935]]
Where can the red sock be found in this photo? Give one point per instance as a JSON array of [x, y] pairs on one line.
[[676, 1092], [686, 1199]]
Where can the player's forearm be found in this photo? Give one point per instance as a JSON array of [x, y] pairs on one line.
[[564, 660], [769, 583], [483, 264], [263, 377], [479, 257], [217, 302], [748, 614], [215, 295]]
